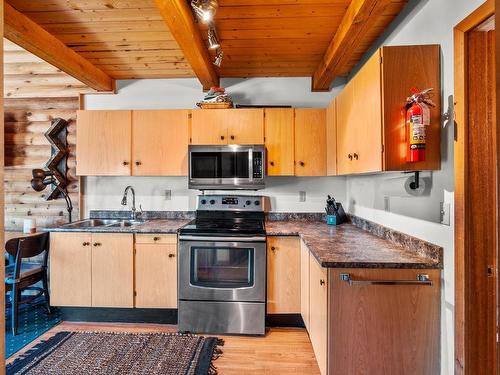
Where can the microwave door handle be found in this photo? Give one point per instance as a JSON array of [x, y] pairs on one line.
[[250, 164]]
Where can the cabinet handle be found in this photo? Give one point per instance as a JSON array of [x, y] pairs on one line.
[[126, 163], [138, 163], [97, 244], [232, 137], [86, 244], [421, 279], [322, 282], [222, 137], [171, 255], [273, 248], [271, 163], [302, 163], [356, 156], [156, 238], [349, 156]]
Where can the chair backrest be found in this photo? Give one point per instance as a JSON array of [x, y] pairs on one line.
[[28, 247]]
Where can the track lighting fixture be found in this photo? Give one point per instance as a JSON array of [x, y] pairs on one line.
[[205, 9], [213, 40], [218, 58]]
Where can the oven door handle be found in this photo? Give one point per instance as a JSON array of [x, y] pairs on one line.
[[215, 239]]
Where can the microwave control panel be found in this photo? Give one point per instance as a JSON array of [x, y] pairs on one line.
[[258, 169]]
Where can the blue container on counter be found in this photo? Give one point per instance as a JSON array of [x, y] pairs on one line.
[[331, 219]]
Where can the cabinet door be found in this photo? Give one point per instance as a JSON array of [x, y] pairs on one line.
[[310, 142], [283, 269], [346, 113], [279, 139], [318, 316], [160, 142], [331, 138], [104, 143], [209, 126], [384, 329], [112, 270], [304, 284], [156, 273], [245, 126], [70, 269], [367, 125]]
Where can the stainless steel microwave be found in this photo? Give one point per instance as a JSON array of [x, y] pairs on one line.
[[226, 167]]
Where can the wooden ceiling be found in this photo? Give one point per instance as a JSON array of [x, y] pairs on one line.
[[128, 39]]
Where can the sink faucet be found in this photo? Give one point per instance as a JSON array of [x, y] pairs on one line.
[[135, 215]]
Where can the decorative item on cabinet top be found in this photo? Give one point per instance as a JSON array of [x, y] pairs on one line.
[[216, 98]]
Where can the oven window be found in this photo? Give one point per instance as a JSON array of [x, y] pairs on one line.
[[219, 267], [219, 164]]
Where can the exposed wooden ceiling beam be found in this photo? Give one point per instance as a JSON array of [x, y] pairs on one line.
[[180, 20], [24, 32], [357, 21]]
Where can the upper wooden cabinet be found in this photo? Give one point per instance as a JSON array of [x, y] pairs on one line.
[[371, 129], [310, 142], [279, 140], [331, 138], [227, 126], [104, 143], [137, 143], [160, 142]]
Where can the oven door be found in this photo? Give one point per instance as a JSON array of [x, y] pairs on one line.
[[226, 167], [222, 269]]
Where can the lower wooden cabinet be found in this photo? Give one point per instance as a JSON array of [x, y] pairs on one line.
[[156, 271], [304, 283], [283, 269], [70, 269], [98, 269], [112, 270]]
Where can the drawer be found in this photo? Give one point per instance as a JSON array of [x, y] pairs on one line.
[[159, 238]]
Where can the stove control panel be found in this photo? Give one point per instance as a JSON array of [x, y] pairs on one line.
[[231, 203]]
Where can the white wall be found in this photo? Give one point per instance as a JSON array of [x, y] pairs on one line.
[[423, 22], [106, 192]]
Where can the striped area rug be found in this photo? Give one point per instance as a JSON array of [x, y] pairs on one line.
[[120, 353]]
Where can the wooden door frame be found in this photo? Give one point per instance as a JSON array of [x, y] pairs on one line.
[[464, 299]]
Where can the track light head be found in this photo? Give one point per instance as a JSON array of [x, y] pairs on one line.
[[213, 40]]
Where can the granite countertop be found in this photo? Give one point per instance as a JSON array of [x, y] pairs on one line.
[[148, 226], [348, 246]]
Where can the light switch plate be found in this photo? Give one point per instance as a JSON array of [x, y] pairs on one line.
[[302, 196], [445, 213], [168, 195]]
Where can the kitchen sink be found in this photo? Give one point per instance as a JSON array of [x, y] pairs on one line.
[[95, 223]]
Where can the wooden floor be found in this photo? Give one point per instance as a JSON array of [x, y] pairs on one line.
[[281, 351]]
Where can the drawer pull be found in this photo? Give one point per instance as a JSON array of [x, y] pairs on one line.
[[322, 282], [302, 163], [171, 255], [349, 156], [125, 163], [97, 244], [421, 279], [222, 137], [138, 163], [356, 156], [156, 238], [86, 244]]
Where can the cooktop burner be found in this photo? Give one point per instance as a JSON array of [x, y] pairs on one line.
[[224, 226]]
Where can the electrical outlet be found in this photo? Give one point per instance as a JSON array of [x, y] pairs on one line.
[[387, 204], [168, 195], [302, 196], [445, 213]]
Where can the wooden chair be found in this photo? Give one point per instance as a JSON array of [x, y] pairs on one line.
[[22, 275]]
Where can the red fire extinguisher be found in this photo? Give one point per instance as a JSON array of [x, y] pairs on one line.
[[417, 119]]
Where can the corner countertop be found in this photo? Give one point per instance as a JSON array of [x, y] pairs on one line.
[[347, 246], [342, 246]]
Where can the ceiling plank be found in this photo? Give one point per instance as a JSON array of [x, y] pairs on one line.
[[356, 23], [180, 21], [27, 34]]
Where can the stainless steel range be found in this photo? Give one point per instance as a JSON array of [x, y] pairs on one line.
[[222, 267]]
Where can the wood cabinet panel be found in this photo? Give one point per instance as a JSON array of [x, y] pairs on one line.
[[346, 112], [283, 269], [367, 125], [104, 143], [279, 140], [331, 138], [227, 126], [384, 329], [318, 315], [70, 269], [415, 66], [310, 142], [156, 275], [112, 270], [304, 284], [156, 238], [160, 142]]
